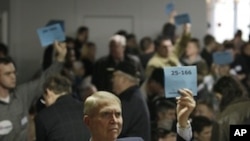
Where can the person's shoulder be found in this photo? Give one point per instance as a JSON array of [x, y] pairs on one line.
[[130, 139], [153, 59], [48, 111]]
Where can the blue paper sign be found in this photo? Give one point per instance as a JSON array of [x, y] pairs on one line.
[[61, 22], [169, 8], [182, 19], [177, 78], [49, 34], [222, 58]]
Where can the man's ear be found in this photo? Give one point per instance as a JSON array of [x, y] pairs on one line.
[[86, 120]]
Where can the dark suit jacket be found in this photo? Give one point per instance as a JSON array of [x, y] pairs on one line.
[[136, 121], [130, 139], [179, 138], [62, 121]]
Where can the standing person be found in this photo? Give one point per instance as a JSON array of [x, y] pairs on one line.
[[88, 56], [208, 50], [136, 120], [15, 101], [167, 53], [104, 67], [81, 39], [62, 119], [147, 50], [3, 50], [233, 107]]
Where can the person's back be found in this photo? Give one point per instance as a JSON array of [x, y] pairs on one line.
[[235, 113], [135, 114], [63, 121], [134, 108], [233, 107]]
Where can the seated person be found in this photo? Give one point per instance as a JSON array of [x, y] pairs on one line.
[[102, 115], [205, 108], [202, 128], [165, 113], [161, 134]]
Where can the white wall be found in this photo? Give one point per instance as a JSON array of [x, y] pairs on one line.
[[148, 18]]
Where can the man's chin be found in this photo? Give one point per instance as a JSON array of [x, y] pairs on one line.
[[11, 87]]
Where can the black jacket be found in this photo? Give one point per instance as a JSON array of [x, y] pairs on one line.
[[136, 122], [62, 121]]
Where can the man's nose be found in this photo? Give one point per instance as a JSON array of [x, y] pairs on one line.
[[114, 118]]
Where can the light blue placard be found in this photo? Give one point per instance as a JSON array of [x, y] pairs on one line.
[[182, 19], [177, 78], [49, 34], [169, 8], [222, 58]]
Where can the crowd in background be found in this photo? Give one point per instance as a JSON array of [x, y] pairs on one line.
[[223, 90]]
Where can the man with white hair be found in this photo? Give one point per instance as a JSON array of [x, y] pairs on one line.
[[105, 66], [102, 115]]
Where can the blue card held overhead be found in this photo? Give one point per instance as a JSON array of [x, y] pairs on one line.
[[49, 34], [177, 78], [182, 19], [169, 8], [222, 58]]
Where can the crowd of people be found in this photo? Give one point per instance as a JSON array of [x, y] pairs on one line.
[[78, 96]]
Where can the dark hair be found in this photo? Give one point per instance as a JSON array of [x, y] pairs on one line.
[[195, 41], [229, 88], [122, 33], [163, 104], [6, 60], [157, 76], [208, 103], [91, 44], [238, 33], [169, 30], [208, 39], [199, 123], [130, 36], [159, 133], [4, 49], [145, 43], [69, 40], [82, 29], [160, 39], [228, 45], [58, 84]]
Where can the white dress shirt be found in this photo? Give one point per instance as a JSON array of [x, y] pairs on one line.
[[185, 133]]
